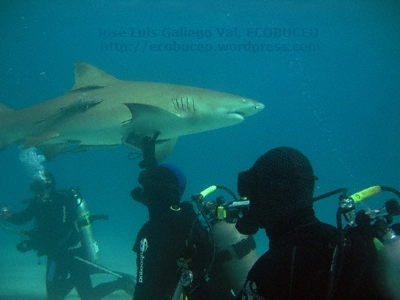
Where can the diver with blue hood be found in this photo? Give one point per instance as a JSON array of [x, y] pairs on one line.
[[172, 244]]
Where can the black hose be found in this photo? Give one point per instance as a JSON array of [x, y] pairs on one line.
[[342, 190], [228, 190], [389, 189]]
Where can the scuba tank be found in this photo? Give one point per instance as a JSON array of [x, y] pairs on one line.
[[369, 242], [234, 253], [83, 222]]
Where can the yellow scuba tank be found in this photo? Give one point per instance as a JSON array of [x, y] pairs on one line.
[[88, 241], [235, 253]]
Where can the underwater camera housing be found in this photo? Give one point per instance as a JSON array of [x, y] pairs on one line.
[[382, 219]]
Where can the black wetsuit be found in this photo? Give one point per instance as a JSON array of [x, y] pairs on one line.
[[54, 234], [297, 266], [160, 243]]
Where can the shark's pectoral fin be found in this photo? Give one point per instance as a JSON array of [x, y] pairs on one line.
[[163, 146], [51, 151], [31, 141], [150, 112], [164, 149], [146, 121]]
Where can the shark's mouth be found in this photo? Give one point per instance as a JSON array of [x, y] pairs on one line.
[[238, 114]]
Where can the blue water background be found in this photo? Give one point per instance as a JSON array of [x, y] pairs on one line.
[[337, 101]]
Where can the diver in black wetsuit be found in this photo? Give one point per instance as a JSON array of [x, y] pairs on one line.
[[173, 240], [280, 187], [56, 235]]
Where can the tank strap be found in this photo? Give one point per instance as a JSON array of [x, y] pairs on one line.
[[237, 250]]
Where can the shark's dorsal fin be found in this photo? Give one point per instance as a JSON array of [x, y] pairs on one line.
[[87, 76]]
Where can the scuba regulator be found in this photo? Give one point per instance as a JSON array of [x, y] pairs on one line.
[[219, 209], [382, 217], [233, 252]]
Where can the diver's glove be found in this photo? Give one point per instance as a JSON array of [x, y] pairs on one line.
[[25, 246], [5, 212], [136, 194], [127, 283], [148, 146]]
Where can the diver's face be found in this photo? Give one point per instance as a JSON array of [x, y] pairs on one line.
[[46, 195], [43, 196], [42, 190]]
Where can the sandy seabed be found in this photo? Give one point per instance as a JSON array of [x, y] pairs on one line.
[[22, 275]]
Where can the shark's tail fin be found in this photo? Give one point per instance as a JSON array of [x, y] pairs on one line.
[[4, 108]]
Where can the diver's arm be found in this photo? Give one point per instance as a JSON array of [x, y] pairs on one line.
[[21, 217], [148, 146]]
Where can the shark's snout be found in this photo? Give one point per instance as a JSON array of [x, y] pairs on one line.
[[248, 108], [259, 106]]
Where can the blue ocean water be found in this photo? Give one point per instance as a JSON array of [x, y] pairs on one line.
[[327, 72]]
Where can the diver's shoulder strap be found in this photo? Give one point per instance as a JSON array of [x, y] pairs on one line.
[[237, 250], [68, 194]]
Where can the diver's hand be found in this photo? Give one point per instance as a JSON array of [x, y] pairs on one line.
[[5, 212], [148, 146], [127, 283], [25, 246]]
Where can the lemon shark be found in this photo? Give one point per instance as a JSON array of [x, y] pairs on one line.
[[103, 111]]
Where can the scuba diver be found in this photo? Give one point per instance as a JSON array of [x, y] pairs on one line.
[[181, 255], [62, 233], [172, 242], [302, 258], [173, 249]]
